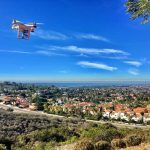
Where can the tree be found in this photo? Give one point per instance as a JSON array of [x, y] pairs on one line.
[[139, 9]]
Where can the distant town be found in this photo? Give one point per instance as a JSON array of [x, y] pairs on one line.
[[130, 104]]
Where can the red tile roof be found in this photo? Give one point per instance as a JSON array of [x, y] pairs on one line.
[[139, 109]]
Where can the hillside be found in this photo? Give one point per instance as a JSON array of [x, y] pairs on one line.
[[24, 132]]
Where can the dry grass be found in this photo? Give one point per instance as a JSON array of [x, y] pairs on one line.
[[143, 146]]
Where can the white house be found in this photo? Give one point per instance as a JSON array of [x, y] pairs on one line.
[[137, 117], [115, 115], [124, 116], [146, 117], [106, 114]]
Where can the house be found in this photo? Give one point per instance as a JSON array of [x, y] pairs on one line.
[[33, 106], [100, 107], [7, 100], [146, 117], [115, 115], [148, 108], [106, 114], [68, 107], [137, 117], [124, 116], [24, 105], [86, 104], [139, 110]]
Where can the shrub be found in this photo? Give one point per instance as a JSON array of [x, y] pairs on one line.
[[2, 147], [118, 143], [107, 135], [40, 146], [44, 146], [133, 140], [84, 145], [102, 145], [109, 125]]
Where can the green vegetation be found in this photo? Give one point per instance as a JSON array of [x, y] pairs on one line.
[[24, 132], [31, 132], [139, 9]]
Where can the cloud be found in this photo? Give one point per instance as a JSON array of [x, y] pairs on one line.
[[92, 37], [50, 35], [96, 65], [134, 63], [19, 52], [53, 35], [116, 57], [82, 55], [48, 53], [134, 72], [88, 50]]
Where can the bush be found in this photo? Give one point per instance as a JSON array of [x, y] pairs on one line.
[[118, 143], [109, 125], [133, 140], [107, 135], [102, 145], [2, 147], [40, 146], [44, 146], [84, 145]]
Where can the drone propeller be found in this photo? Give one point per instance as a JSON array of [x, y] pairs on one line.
[[39, 23], [15, 21], [34, 23]]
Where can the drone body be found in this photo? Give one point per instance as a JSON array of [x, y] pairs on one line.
[[23, 29]]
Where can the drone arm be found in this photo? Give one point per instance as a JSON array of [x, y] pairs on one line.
[[29, 34], [18, 34]]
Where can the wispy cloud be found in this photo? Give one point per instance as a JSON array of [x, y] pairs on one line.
[[82, 55], [134, 63], [88, 50], [46, 53], [50, 35], [49, 53], [19, 52], [96, 65], [134, 72], [92, 37]]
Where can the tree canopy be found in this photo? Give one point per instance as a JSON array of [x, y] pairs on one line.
[[139, 9]]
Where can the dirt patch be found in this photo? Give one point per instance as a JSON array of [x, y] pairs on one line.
[[67, 147]]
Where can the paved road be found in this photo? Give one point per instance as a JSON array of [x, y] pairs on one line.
[[26, 111]]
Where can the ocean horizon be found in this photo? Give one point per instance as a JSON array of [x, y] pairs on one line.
[[93, 84]]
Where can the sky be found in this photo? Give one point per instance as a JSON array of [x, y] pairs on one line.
[[78, 41]]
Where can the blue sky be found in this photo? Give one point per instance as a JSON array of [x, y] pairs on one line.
[[79, 41]]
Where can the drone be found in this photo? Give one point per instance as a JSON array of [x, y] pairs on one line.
[[24, 30]]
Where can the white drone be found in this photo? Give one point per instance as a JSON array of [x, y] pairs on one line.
[[24, 29]]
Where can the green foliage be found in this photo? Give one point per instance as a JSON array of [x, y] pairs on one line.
[[25, 132], [102, 132], [139, 9], [40, 101], [40, 146], [44, 146], [71, 140]]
